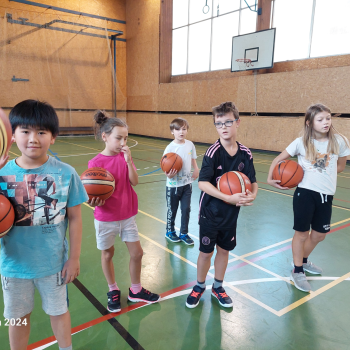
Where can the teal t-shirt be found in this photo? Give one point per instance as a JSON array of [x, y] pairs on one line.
[[36, 246]]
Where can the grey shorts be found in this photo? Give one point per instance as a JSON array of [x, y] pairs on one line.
[[106, 231], [19, 295]]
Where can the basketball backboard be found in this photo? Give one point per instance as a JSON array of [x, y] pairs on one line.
[[258, 47]]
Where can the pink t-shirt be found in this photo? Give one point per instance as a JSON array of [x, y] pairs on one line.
[[122, 204]]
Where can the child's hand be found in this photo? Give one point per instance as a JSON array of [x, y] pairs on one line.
[[96, 202], [171, 173], [195, 174], [247, 200], [71, 270], [237, 198], [275, 183], [127, 153]]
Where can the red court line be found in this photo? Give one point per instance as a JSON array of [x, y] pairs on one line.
[[171, 291]]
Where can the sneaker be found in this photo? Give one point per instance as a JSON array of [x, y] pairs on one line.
[[220, 294], [186, 238], [311, 268], [144, 296], [300, 281], [113, 301], [193, 298], [172, 237]]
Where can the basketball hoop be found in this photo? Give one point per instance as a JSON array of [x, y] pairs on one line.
[[244, 63]]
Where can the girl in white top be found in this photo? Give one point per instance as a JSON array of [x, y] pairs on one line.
[[322, 153]]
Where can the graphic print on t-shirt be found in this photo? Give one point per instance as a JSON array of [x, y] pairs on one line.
[[321, 162], [36, 199]]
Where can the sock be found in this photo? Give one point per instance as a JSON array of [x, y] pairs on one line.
[[304, 260], [136, 288], [67, 348], [201, 284], [113, 286], [298, 269], [217, 283]]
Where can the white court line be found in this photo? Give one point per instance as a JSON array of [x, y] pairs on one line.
[[77, 155]]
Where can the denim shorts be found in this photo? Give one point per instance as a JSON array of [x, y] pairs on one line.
[[106, 231], [18, 295]]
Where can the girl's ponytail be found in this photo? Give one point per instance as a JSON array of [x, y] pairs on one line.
[[105, 124]]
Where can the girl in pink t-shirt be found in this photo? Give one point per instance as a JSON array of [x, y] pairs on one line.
[[117, 214]]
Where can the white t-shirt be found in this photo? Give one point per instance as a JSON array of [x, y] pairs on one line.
[[320, 175], [187, 152]]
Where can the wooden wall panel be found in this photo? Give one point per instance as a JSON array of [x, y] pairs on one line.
[[66, 70], [266, 133]]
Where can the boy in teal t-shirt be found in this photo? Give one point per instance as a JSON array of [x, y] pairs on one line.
[[46, 194]]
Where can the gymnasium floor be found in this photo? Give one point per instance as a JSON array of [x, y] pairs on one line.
[[268, 312]]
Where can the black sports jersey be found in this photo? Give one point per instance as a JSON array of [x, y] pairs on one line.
[[214, 212]]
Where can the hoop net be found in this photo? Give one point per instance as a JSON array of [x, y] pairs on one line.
[[244, 63]]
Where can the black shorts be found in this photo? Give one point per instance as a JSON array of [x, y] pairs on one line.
[[312, 209], [209, 237]]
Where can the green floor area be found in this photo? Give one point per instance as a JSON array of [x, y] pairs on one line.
[[268, 312]]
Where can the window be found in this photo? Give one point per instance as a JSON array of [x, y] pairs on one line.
[[311, 28], [203, 31]]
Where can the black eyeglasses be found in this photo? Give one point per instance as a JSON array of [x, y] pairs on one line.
[[227, 123]]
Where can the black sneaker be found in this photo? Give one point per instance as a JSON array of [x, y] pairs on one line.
[[193, 298], [144, 296], [220, 294], [113, 301]]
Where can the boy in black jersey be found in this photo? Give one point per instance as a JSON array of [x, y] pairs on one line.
[[217, 219]]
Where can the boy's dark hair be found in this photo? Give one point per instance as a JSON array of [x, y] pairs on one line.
[[224, 108], [104, 123], [178, 123], [36, 114]]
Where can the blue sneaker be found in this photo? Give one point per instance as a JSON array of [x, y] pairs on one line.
[[172, 237], [186, 238]]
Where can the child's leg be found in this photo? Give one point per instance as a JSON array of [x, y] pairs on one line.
[[311, 242], [298, 244], [172, 201], [185, 207], [203, 266], [107, 264], [220, 263], [61, 327], [136, 254], [19, 335]]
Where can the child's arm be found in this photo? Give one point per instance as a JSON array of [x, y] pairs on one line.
[[71, 268], [282, 156], [171, 173], [96, 202], [196, 170], [133, 177], [341, 164], [208, 188]]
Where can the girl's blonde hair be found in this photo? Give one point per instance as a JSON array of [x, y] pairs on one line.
[[104, 123], [309, 134]]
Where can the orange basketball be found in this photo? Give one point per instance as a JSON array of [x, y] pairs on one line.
[[289, 172], [7, 215], [98, 182], [171, 161], [234, 182], [5, 133]]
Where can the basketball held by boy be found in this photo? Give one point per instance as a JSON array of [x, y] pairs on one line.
[[322, 154], [218, 212], [116, 216]]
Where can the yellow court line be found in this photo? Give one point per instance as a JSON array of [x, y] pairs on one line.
[[312, 295], [289, 195], [14, 154], [168, 250], [75, 144], [285, 279]]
